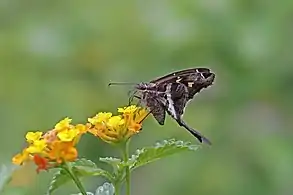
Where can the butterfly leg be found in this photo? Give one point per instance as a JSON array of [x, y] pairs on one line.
[[132, 96], [145, 116], [195, 133], [130, 100]]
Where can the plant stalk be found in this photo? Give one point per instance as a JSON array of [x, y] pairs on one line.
[[117, 189], [75, 178], [127, 169]]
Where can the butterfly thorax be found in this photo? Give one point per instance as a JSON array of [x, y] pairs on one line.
[[146, 91], [149, 87]]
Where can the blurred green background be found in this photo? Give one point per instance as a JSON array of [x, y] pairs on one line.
[[57, 58]]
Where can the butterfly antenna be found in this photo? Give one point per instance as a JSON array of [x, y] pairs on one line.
[[120, 83], [195, 133]]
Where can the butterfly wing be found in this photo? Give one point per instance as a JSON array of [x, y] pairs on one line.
[[196, 82], [176, 97], [194, 79], [172, 77], [159, 114], [171, 93], [157, 106]]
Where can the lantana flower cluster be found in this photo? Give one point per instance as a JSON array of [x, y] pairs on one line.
[[53, 147], [114, 129], [58, 145]]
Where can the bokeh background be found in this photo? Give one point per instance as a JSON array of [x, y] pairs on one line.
[[57, 57]]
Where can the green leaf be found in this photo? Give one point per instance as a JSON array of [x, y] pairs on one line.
[[118, 167], [84, 167], [160, 150], [88, 193], [116, 163], [84, 162], [60, 178], [105, 189], [81, 168], [111, 161]]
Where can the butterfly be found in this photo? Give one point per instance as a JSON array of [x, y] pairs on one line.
[[171, 93]]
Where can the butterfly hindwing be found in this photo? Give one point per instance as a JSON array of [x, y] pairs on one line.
[[176, 102], [159, 114], [176, 95], [156, 106]]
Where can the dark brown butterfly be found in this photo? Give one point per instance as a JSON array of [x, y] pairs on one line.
[[171, 93]]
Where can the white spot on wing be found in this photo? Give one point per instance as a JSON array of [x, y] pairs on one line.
[[170, 102], [190, 84], [178, 79]]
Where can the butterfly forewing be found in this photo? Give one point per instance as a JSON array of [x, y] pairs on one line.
[[194, 78], [196, 82], [172, 77]]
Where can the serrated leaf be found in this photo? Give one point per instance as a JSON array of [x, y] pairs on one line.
[[86, 171], [60, 178], [110, 160], [160, 150], [105, 189], [88, 193], [117, 165], [116, 162], [81, 168], [84, 167], [84, 162]]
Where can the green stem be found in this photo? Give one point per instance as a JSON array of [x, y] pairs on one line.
[[75, 179], [127, 170], [117, 189]]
